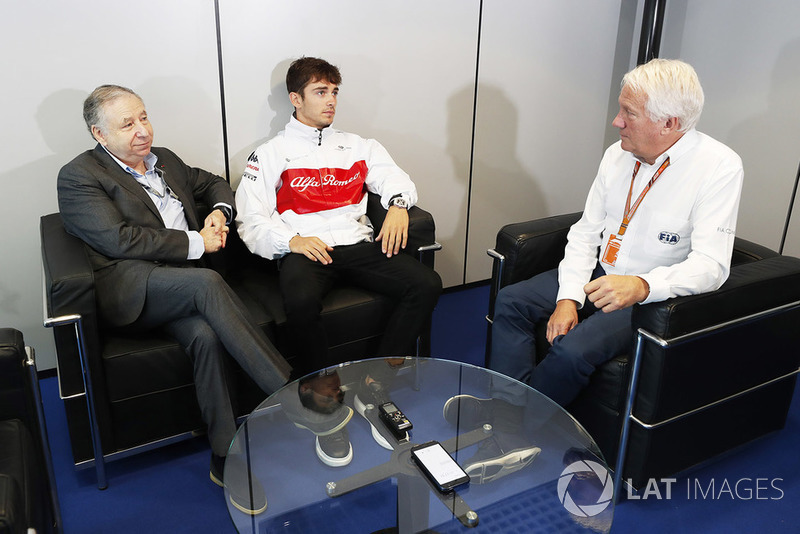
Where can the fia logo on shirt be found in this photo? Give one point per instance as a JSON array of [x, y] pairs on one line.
[[668, 238]]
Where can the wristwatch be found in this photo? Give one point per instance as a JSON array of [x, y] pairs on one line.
[[225, 211], [398, 201]]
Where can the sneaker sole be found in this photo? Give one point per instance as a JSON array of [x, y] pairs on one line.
[[330, 460], [245, 509], [509, 463], [376, 435]]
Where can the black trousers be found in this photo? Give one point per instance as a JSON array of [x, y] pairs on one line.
[[198, 308], [413, 287]]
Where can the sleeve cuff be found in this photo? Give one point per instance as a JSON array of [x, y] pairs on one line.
[[196, 245], [575, 293]]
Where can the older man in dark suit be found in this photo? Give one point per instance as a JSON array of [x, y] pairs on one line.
[[135, 207]]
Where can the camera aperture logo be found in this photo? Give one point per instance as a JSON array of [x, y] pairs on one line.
[[585, 488]]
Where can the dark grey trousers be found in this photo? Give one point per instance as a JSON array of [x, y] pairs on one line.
[[198, 308]]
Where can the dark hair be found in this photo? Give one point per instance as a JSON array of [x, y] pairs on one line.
[[305, 70], [93, 105]]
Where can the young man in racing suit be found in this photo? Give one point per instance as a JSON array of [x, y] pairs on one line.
[[303, 200]]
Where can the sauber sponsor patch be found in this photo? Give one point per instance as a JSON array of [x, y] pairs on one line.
[[313, 190]]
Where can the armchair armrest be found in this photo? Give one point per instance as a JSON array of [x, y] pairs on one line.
[[527, 248], [746, 251], [13, 404], [751, 288], [533, 247], [710, 346], [421, 229], [68, 290], [26, 451]]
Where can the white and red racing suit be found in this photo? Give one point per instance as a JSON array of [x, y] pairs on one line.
[[312, 182]]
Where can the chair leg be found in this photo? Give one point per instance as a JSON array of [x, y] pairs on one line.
[[628, 414], [99, 461], [33, 378]]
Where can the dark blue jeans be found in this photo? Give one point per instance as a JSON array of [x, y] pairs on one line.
[[565, 370]]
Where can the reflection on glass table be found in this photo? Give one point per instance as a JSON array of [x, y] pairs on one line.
[[329, 453]]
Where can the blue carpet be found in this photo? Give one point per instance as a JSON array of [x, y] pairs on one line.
[[168, 490]]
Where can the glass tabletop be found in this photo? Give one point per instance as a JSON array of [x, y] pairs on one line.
[[317, 456]]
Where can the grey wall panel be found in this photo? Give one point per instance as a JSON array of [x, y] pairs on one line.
[[54, 54], [408, 75], [547, 80], [747, 55]]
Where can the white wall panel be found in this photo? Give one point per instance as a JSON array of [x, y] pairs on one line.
[[54, 54], [546, 82], [747, 55], [408, 72]]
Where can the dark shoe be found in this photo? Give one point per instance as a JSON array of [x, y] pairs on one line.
[[493, 461], [217, 470], [334, 449], [468, 412], [244, 491]]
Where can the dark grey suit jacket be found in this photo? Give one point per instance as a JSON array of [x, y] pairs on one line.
[[125, 236]]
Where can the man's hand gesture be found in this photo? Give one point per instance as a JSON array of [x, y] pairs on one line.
[[215, 231]]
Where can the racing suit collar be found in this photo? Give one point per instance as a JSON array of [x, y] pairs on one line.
[[303, 131]]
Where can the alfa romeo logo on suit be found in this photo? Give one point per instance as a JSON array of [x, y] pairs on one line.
[[585, 478]]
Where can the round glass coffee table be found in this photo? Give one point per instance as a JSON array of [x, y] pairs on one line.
[[325, 460]]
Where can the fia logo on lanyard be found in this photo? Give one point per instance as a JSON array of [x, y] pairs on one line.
[[615, 240]]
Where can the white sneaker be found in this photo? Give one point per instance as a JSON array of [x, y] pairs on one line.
[[492, 462], [361, 408]]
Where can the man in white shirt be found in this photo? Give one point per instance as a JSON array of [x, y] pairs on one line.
[[662, 214]]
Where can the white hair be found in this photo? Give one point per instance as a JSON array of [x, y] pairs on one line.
[[94, 105], [672, 89]]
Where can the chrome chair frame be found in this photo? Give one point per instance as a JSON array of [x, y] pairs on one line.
[[642, 337], [33, 377]]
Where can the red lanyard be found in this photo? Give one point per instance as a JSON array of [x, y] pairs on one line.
[[631, 210]]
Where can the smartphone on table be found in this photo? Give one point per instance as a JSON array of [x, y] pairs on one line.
[[437, 464]]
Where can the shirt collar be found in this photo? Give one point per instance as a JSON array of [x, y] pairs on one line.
[[681, 147], [149, 162]]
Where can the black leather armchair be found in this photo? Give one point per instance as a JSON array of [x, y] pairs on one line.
[[124, 394], [705, 374], [28, 498]]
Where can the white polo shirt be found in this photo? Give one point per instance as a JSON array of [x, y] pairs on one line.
[[680, 239]]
